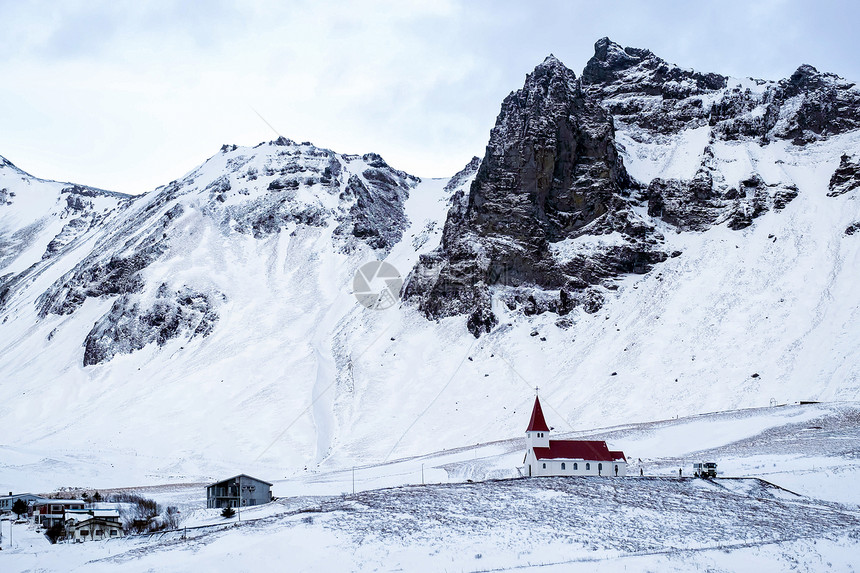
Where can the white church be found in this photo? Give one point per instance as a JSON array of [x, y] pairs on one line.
[[545, 457]]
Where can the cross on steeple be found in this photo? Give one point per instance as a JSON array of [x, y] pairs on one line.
[[536, 390]]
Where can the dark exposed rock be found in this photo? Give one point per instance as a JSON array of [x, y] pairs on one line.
[[95, 277], [752, 203], [283, 183], [641, 89], [808, 106], [551, 173], [783, 196], [827, 105], [86, 191], [377, 216], [71, 230], [846, 177], [219, 187], [127, 327], [481, 321], [689, 205], [463, 175], [611, 63], [697, 204]]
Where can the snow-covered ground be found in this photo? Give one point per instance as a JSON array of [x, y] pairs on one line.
[[527, 523], [658, 522]]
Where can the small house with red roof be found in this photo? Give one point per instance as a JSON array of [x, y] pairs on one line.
[[545, 457]]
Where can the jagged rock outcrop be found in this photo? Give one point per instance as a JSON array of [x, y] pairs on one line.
[[654, 101], [551, 173], [813, 105], [119, 274], [692, 205], [377, 215], [549, 217], [639, 88], [846, 177], [642, 90], [129, 327]]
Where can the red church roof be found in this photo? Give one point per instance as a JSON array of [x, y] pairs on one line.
[[537, 423], [591, 450]]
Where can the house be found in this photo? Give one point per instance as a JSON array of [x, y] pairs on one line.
[[7, 501], [545, 457], [47, 512], [241, 490], [92, 524]]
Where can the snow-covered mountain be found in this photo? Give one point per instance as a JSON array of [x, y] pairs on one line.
[[641, 241]]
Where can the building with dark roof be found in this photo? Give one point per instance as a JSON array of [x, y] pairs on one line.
[[545, 457], [238, 491]]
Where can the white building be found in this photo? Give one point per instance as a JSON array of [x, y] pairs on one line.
[[92, 524], [7, 501], [545, 457]]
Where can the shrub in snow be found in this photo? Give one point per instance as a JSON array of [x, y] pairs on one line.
[[19, 507]]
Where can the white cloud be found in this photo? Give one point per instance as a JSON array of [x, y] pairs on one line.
[[128, 96]]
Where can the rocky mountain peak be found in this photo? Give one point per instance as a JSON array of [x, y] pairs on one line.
[[551, 62], [610, 59], [807, 78], [551, 173], [550, 82], [640, 70], [281, 186]]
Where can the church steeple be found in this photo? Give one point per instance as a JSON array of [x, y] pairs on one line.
[[537, 423], [537, 433]]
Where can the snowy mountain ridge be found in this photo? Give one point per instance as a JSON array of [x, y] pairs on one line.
[[640, 241]]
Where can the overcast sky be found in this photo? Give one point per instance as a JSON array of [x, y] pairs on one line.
[[130, 95]]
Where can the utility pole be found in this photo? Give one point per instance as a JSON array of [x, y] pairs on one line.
[[239, 500], [422, 474], [353, 480]]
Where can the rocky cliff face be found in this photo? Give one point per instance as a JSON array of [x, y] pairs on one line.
[[551, 174], [642, 90], [846, 177], [552, 179]]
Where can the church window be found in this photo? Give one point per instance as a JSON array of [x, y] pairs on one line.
[[562, 465], [575, 466], [587, 466]]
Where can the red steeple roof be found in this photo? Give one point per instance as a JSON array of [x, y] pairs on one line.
[[537, 423]]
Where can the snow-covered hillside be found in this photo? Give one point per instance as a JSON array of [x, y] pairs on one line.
[[209, 326], [576, 524]]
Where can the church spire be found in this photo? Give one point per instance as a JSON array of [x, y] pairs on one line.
[[537, 422]]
